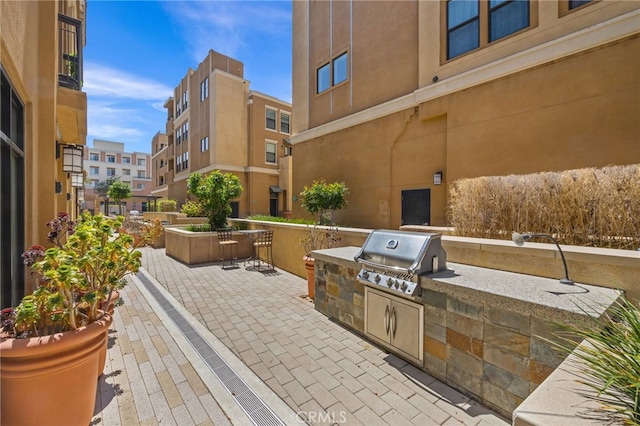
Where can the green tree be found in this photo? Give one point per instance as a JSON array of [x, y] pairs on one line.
[[102, 189], [324, 199], [119, 191], [215, 192]]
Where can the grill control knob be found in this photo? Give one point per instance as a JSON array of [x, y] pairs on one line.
[[404, 286], [389, 282], [365, 274], [377, 279], [397, 284]]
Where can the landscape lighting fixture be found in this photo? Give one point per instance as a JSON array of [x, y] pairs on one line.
[[519, 240]]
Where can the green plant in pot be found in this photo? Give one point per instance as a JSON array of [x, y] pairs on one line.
[[322, 199], [53, 344]]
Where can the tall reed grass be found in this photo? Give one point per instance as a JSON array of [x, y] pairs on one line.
[[598, 207]]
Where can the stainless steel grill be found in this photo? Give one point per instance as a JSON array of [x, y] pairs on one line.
[[394, 260]]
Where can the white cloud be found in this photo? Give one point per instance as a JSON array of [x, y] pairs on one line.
[[227, 26], [110, 82]]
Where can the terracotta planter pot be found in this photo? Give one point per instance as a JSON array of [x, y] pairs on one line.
[[102, 359], [51, 378], [309, 263]]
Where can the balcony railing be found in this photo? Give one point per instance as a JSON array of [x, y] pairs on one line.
[[70, 52]]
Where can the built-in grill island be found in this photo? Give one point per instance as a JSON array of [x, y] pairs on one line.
[[482, 331], [395, 260]]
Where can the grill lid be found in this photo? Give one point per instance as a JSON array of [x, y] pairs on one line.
[[403, 251]]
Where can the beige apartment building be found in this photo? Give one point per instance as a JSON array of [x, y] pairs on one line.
[[215, 122], [43, 126], [109, 160], [398, 99]]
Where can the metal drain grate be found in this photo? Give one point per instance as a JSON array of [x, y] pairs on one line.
[[251, 404]]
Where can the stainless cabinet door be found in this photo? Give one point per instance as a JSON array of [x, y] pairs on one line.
[[406, 327], [377, 315]]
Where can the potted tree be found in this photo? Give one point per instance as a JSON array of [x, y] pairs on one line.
[[323, 199], [53, 343], [215, 192]]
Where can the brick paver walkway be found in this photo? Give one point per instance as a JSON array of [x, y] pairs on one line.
[[325, 373]]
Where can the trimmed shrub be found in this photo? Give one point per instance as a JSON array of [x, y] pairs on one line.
[[598, 207], [167, 205]]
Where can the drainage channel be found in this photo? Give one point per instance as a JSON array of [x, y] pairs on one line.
[[251, 404]]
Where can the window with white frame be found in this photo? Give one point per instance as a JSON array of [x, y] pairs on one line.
[[141, 174], [204, 144], [185, 131], [178, 163], [270, 149], [270, 118], [111, 158], [126, 172], [285, 119], [140, 161], [185, 159], [94, 157], [126, 160], [111, 172], [140, 185], [94, 171]]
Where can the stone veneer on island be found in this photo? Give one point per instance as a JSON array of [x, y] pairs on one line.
[[484, 329]]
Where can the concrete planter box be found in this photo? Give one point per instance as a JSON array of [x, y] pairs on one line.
[[193, 248]]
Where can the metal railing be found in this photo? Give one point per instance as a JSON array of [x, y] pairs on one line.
[[70, 52]]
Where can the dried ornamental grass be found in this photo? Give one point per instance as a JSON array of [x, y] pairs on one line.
[[597, 207]]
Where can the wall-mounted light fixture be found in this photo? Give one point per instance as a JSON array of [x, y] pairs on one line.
[[437, 178], [519, 240], [77, 180], [72, 157]]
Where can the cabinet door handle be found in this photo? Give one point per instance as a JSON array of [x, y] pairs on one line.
[[386, 319], [394, 322]]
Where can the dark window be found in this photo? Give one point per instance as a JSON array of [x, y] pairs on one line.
[[577, 3], [340, 69], [507, 17], [463, 27], [284, 122], [271, 119], [271, 152], [324, 78], [12, 189]]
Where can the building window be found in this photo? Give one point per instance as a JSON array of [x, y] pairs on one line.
[[577, 3], [140, 185], [111, 172], [140, 161], [179, 136], [94, 157], [126, 172], [185, 160], [468, 28], [94, 182], [271, 152], [284, 122], [340, 69], [463, 27], [204, 144], [185, 102], [185, 131], [507, 17], [141, 174], [161, 181], [94, 171], [178, 163], [126, 160], [12, 182], [271, 119], [323, 76], [332, 73], [111, 158], [161, 164], [204, 89]]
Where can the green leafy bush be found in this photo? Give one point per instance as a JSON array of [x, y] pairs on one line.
[[192, 209], [167, 205], [324, 199], [265, 218], [215, 192]]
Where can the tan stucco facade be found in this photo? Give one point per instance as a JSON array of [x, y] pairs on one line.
[[227, 131], [563, 93], [51, 114]]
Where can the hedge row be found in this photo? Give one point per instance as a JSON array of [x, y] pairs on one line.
[[597, 207]]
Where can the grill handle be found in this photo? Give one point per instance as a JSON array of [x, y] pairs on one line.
[[390, 267], [393, 322], [386, 319]]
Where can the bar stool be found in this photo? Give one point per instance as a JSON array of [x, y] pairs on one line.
[[264, 241], [225, 240]]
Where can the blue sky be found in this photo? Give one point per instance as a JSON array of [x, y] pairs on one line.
[[138, 51]]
